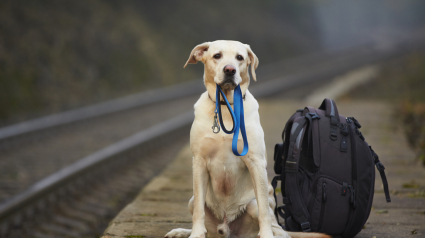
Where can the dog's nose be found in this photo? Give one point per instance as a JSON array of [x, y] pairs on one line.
[[229, 70]]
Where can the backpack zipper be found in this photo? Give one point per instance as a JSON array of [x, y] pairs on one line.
[[325, 198], [344, 133], [353, 173], [322, 206], [352, 196], [313, 194], [353, 151]]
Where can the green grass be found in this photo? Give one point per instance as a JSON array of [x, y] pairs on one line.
[[417, 194], [410, 185], [148, 214]]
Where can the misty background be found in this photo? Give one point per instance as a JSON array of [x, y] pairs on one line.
[[59, 55]]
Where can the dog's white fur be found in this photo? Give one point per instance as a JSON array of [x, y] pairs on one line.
[[232, 196]]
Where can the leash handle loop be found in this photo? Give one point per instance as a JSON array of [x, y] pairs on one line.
[[240, 123], [237, 117]]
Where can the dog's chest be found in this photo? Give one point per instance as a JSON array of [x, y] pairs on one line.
[[225, 170], [228, 172]]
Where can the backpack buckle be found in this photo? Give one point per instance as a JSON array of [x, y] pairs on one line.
[[380, 166], [305, 227], [313, 115], [286, 200], [290, 167], [344, 129]]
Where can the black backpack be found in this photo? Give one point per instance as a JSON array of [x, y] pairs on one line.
[[327, 173]]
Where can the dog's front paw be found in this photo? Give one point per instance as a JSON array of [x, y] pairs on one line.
[[197, 235], [265, 234], [198, 232], [178, 233]]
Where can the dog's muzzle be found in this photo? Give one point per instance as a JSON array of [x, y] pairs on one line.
[[229, 77]]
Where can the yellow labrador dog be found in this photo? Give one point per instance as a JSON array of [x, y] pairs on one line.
[[232, 196]]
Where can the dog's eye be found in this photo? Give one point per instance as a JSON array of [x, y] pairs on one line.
[[217, 56], [239, 57]]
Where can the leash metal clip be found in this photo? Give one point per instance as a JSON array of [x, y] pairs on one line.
[[215, 124]]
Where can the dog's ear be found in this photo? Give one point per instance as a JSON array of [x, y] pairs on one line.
[[253, 61], [197, 53]]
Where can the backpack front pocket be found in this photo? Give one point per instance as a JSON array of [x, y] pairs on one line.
[[330, 206]]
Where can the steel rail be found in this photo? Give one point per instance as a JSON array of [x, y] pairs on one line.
[[66, 174], [112, 106]]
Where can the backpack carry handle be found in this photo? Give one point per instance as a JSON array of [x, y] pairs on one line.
[[329, 106], [331, 111]]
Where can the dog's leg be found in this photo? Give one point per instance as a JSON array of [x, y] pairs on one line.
[[181, 232], [257, 168], [211, 223], [276, 228], [200, 183]]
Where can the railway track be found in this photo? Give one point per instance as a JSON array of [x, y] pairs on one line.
[[83, 206], [83, 185]]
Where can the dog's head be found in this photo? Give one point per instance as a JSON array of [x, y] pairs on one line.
[[226, 63]]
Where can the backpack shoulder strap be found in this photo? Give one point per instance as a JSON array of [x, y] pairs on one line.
[[381, 169], [298, 208], [279, 164]]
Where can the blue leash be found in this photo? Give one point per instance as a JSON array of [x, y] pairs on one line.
[[237, 117]]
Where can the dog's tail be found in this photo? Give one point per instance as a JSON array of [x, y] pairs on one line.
[[307, 235]]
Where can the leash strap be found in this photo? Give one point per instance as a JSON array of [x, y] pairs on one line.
[[237, 117], [218, 110]]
